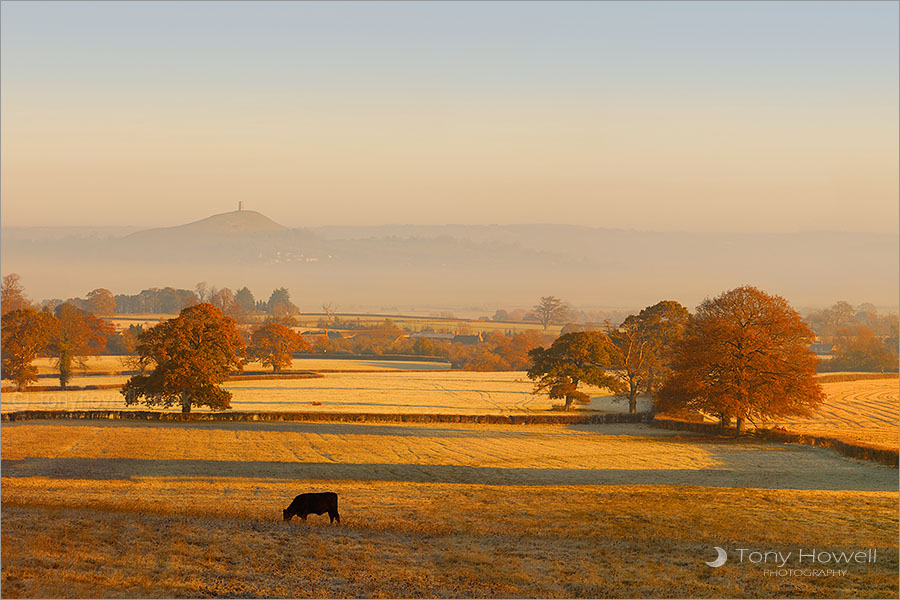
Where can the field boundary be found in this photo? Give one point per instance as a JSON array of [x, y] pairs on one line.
[[858, 450], [398, 371], [150, 415], [375, 357], [840, 377]]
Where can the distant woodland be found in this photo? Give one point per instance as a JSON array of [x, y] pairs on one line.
[[848, 338]]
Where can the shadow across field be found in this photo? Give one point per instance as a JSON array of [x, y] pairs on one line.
[[833, 477]]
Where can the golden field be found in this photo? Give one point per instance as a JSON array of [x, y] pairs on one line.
[[115, 364], [410, 323], [431, 391], [193, 509], [855, 411]]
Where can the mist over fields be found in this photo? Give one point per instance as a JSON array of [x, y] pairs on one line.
[[462, 267]]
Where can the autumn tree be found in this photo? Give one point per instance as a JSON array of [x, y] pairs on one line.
[[224, 300], [513, 350], [582, 357], [155, 300], [79, 335], [745, 355], [12, 294], [500, 315], [187, 358], [124, 342], [645, 342], [280, 305], [550, 310], [273, 344], [377, 340], [423, 347], [25, 333], [858, 349], [827, 322], [100, 302], [245, 302]]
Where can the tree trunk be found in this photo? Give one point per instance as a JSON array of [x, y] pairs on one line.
[[632, 396], [737, 430], [20, 386], [185, 404], [568, 404], [724, 421], [65, 368]]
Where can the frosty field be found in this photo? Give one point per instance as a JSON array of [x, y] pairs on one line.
[[855, 411], [194, 509], [456, 392]]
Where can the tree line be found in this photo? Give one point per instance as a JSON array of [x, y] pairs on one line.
[[863, 340], [240, 305], [743, 355]]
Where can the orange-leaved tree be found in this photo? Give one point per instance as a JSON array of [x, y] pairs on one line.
[[581, 357], [187, 358], [79, 335], [100, 302], [744, 355], [273, 343], [25, 333]]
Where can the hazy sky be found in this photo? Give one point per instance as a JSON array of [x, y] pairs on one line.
[[761, 116]]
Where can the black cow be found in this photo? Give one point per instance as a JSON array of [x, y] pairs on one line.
[[316, 504]]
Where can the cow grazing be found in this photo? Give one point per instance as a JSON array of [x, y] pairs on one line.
[[316, 504]]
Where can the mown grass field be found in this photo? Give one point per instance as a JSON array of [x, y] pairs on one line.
[[95, 365], [426, 391], [410, 323], [855, 411], [193, 509]]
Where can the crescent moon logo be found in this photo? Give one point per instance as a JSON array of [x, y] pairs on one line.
[[720, 560]]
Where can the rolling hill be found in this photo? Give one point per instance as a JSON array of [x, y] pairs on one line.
[[480, 266]]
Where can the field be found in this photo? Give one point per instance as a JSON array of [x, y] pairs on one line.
[[193, 509], [116, 364], [426, 391], [855, 411], [410, 323]]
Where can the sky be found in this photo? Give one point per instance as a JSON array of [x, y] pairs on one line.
[[706, 116]]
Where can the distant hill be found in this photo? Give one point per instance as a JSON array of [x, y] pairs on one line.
[[224, 224], [489, 266]]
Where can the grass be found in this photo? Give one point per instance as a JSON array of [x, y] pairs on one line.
[[116, 364], [94, 364], [855, 411], [426, 391], [96, 509], [410, 323], [453, 541]]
